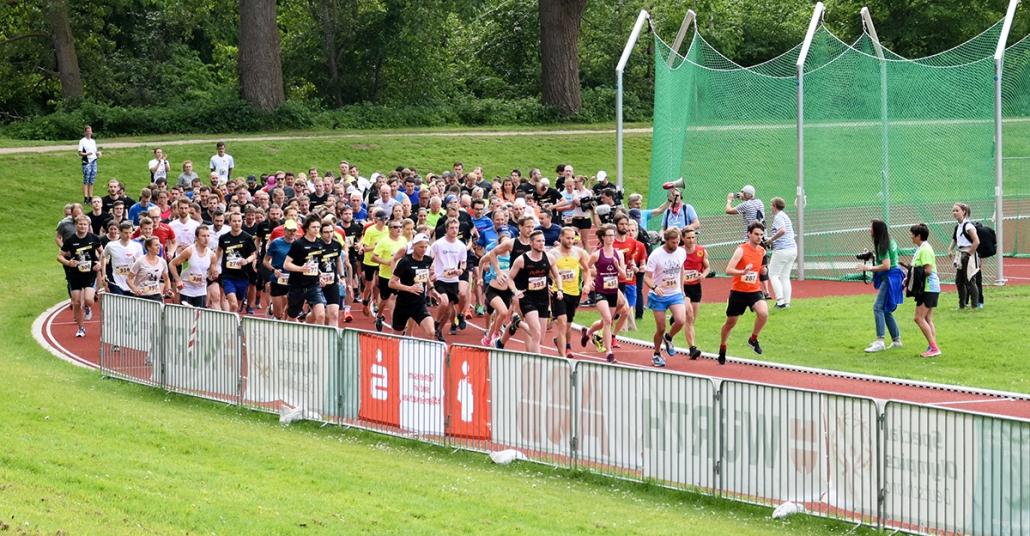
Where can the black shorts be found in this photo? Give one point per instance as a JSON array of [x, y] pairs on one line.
[[279, 290], [928, 299], [83, 281], [692, 292], [252, 275], [332, 294], [567, 306], [298, 296], [448, 289], [369, 272], [612, 299], [408, 311], [742, 301], [196, 301], [384, 288], [491, 293], [532, 303], [582, 223]]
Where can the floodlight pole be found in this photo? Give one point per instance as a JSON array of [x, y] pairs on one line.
[[817, 16], [885, 183], [999, 179], [633, 36]]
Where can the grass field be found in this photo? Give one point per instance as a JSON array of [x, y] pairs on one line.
[[85, 455]]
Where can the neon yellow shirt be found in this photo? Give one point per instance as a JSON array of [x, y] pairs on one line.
[[385, 249]]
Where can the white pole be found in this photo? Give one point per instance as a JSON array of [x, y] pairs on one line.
[[817, 15], [999, 179], [633, 36], [885, 184]]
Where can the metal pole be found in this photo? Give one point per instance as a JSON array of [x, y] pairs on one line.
[[817, 15], [999, 179], [688, 19], [633, 36], [885, 186]]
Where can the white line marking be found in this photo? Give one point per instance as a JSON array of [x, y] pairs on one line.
[[1005, 399], [57, 351]]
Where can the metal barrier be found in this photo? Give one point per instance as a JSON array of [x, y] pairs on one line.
[[130, 338], [905, 466]]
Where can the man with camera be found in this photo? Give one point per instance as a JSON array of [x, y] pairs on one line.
[[751, 210]]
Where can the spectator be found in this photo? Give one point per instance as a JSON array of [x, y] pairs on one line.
[[785, 251], [159, 166], [887, 280], [924, 268], [964, 242], [751, 210], [221, 163], [89, 153], [187, 176]]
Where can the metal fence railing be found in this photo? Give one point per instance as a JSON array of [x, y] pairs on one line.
[[894, 465]]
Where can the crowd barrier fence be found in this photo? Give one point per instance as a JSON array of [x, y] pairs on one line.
[[889, 464]]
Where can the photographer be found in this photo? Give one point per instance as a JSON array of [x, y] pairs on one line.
[[583, 200], [604, 211], [751, 209], [887, 279]]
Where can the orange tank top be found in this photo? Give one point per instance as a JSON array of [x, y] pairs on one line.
[[748, 281]]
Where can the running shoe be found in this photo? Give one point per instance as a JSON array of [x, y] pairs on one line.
[[89, 313], [583, 337], [876, 346], [568, 354], [694, 352], [896, 343], [250, 311], [81, 332], [468, 314], [753, 343], [932, 352], [485, 341], [657, 360], [610, 358], [439, 336], [461, 323], [782, 305], [669, 348], [347, 318], [599, 343], [615, 343], [722, 356], [514, 326], [499, 343], [480, 310], [379, 322], [454, 330]]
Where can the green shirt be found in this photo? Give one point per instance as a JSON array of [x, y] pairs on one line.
[[924, 255], [892, 253]]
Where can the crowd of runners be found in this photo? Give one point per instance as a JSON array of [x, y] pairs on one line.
[[420, 254]]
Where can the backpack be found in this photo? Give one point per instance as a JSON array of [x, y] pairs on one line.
[[988, 240]]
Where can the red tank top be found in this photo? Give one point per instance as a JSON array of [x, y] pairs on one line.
[[695, 263], [748, 282]]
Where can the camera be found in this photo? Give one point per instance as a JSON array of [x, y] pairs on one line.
[[738, 195], [866, 256], [588, 202]]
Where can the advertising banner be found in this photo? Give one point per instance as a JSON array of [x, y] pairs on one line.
[[468, 393], [402, 383]]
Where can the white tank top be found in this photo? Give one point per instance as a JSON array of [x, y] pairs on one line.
[[194, 278]]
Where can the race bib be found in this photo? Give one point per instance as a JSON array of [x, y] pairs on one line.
[[567, 220], [311, 269], [422, 275], [453, 272], [234, 263], [537, 283], [567, 275], [85, 266], [350, 241], [610, 282], [283, 279], [670, 283], [196, 278], [326, 278], [692, 274], [150, 289], [122, 270], [750, 277]]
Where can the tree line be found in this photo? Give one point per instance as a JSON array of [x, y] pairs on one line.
[[327, 54]]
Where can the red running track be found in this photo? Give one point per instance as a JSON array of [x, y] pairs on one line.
[[57, 331]]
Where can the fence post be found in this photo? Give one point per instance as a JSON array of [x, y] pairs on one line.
[[159, 359], [881, 493], [720, 432], [577, 408], [241, 371]]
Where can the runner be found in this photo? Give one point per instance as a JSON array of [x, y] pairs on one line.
[[148, 277], [119, 256], [383, 254], [236, 250], [331, 267], [664, 277], [498, 295], [274, 259], [635, 255], [695, 270], [193, 283], [449, 258], [302, 263], [80, 256], [572, 263], [373, 233], [606, 267], [410, 280], [530, 277], [746, 289]]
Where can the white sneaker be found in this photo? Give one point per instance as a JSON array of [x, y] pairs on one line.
[[89, 313], [81, 332], [876, 346], [896, 344]]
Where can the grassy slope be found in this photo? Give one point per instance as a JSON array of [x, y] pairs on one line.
[[85, 455]]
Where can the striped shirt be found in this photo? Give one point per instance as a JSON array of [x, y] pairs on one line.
[[782, 221], [751, 210]]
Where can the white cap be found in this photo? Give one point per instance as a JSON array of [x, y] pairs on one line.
[[748, 189], [375, 176], [520, 202], [419, 238], [545, 181], [602, 175]]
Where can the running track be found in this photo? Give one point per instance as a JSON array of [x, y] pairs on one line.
[[55, 330]]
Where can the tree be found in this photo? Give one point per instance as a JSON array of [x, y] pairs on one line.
[[260, 64], [64, 49], [559, 53]]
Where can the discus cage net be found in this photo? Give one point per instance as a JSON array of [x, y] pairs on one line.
[[846, 132]]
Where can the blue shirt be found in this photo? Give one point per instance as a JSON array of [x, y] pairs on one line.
[[413, 197], [551, 234], [278, 250], [485, 226], [362, 213], [685, 216], [136, 211]]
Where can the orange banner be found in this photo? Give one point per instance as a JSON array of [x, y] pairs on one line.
[[468, 393], [380, 379]]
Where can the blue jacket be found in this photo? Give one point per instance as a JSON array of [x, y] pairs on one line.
[[896, 292]]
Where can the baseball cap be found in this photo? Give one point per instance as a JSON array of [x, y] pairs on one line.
[[251, 178], [451, 198], [748, 189], [290, 225], [380, 214], [602, 175], [419, 238]]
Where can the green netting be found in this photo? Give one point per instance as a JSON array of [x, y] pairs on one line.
[[1015, 92], [890, 138]]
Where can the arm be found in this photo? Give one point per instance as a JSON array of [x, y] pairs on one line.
[[584, 266], [707, 268], [657, 210], [181, 258], [515, 268], [975, 239], [555, 276], [167, 281], [730, 209], [731, 266], [620, 264], [291, 267]]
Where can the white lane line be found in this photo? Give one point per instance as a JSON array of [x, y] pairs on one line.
[[1006, 399]]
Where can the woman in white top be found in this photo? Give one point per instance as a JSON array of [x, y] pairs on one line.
[[785, 251], [964, 243], [120, 255], [148, 277], [193, 281]]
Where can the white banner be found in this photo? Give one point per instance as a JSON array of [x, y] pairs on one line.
[[609, 420], [421, 383], [201, 351], [289, 363], [531, 403], [679, 429]]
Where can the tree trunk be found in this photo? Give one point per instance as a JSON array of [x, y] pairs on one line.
[[327, 17], [559, 53], [64, 49], [260, 63]]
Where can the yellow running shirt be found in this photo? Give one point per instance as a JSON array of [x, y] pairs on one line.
[[570, 274], [385, 248], [370, 239]]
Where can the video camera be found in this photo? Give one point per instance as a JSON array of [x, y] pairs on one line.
[[866, 256]]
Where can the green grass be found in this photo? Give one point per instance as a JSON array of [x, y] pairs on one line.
[[79, 454], [982, 348]]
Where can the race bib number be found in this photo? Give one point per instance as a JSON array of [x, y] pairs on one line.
[[122, 270], [283, 279], [537, 283], [150, 289], [422, 275], [234, 263], [311, 269], [670, 283], [453, 272], [567, 275], [326, 278], [85, 266], [610, 282], [350, 241], [196, 278], [750, 277], [692, 274]]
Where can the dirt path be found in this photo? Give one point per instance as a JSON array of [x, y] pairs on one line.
[[196, 141]]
